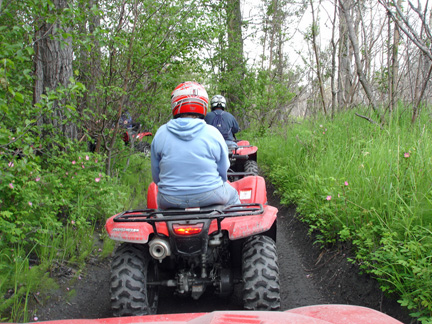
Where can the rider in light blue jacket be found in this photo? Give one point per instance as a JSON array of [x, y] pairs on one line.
[[189, 158]]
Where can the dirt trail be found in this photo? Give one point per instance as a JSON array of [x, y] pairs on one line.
[[308, 276]]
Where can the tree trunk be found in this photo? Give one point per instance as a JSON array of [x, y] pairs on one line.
[[53, 68], [333, 67], [345, 57], [317, 58], [235, 59], [394, 75], [364, 82]]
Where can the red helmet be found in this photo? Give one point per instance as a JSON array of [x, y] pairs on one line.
[[189, 98]]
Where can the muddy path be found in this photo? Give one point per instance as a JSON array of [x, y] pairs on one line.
[[308, 276]]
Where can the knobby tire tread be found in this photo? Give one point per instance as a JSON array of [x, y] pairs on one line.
[[129, 271], [261, 288]]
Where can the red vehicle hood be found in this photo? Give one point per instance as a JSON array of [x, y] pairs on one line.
[[320, 314]]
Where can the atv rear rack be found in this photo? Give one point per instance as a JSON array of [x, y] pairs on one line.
[[238, 174], [153, 216]]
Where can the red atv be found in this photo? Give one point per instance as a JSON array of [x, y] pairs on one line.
[[316, 314], [243, 161], [138, 137], [195, 249], [130, 135]]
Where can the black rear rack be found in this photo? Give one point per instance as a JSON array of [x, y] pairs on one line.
[[153, 216]]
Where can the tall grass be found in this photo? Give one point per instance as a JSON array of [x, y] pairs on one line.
[[353, 181]]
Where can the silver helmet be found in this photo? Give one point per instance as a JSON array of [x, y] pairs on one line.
[[218, 101]]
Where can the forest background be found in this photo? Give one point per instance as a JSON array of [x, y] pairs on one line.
[[343, 129]]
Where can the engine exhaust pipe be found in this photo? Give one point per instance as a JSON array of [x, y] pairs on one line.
[[159, 248]]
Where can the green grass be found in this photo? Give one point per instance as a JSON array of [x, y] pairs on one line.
[[352, 181]]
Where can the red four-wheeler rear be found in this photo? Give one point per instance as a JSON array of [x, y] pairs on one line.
[[196, 249], [138, 137], [243, 160]]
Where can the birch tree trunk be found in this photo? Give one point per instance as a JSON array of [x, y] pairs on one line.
[[333, 66], [344, 64]]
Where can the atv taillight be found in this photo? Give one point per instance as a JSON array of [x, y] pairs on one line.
[[187, 229]]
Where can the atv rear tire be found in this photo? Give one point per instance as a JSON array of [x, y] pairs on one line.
[[260, 272], [251, 166], [131, 269]]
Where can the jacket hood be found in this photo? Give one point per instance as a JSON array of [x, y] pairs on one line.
[[185, 128]]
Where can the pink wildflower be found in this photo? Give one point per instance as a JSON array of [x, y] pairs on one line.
[[82, 166], [87, 157], [346, 183], [35, 318], [11, 185], [11, 164], [30, 203], [406, 154], [328, 198], [97, 179], [73, 222], [73, 162], [96, 160], [37, 179]]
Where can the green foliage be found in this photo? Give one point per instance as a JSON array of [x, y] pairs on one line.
[[352, 181]]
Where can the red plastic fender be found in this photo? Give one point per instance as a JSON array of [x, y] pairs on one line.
[[245, 226], [144, 134], [344, 314], [152, 196], [136, 232], [246, 150], [319, 314], [243, 143], [132, 232], [251, 189]]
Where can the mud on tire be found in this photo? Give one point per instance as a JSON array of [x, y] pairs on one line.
[[260, 273], [251, 166], [131, 269]]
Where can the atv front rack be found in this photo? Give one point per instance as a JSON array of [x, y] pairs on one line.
[[153, 216]]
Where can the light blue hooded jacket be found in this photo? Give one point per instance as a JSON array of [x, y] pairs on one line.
[[188, 157]]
